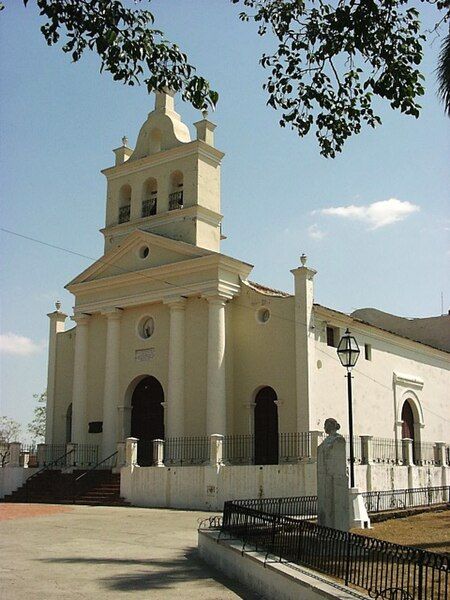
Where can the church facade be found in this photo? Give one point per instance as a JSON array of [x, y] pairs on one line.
[[172, 339]]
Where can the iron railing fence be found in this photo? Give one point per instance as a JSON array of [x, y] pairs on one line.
[[407, 498], [294, 446], [386, 451], [149, 207], [176, 200], [357, 448], [447, 454], [124, 213], [54, 456], [238, 449], [424, 453], [86, 455], [187, 450], [295, 506], [383, 569]]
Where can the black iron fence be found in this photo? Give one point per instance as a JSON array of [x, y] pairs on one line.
[[383, 569], [85, 455], [386, 451], [407, 498], [292, 447], [187, 450], [296, 506]]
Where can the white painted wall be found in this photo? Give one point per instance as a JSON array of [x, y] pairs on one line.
[[207, 488], [12, 478]]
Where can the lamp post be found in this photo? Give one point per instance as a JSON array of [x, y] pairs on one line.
[[348, 352]]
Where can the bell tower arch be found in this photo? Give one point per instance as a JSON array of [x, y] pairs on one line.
[[182, 201]]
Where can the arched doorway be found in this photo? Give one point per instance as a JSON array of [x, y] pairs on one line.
[[408, 425], [266, 427], [147, 417]]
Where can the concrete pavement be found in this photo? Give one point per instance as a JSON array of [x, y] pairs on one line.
[[84, 552]]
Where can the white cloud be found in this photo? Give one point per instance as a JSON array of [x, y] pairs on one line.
[[11, 343], [378, 214], [315, 232]]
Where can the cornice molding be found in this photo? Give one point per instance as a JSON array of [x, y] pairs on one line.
[[410, 381], [198, 147]]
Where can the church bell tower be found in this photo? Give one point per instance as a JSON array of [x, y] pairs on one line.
[[169, 184]]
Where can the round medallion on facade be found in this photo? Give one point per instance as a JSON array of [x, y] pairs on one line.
[[262, 315], [144, 251], [146, 327]]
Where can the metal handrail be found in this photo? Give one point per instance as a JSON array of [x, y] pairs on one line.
[[77, 479], [45, 468], [48, 465]]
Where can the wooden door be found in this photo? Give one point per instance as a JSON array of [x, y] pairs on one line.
[[266, 427], [147, 418]]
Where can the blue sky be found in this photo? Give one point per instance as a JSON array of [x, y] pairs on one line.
[[60, 122]]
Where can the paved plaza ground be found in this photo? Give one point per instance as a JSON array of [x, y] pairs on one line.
[[84, 552]]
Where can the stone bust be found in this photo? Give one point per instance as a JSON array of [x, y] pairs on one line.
[[331, 427]]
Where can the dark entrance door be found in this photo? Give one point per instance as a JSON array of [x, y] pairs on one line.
[[266, 427], [408, 426], [147, 418]]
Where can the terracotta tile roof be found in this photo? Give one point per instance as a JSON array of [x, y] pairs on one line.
[[338, 312], [263, 289]]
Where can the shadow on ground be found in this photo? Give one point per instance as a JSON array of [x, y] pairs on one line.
[[159, 574]]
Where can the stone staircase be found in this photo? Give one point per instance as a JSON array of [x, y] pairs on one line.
[[97, 488]]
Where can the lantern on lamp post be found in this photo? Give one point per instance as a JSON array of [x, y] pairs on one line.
[[348, 352]]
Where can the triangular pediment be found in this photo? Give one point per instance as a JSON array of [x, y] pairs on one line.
[[131, 256]]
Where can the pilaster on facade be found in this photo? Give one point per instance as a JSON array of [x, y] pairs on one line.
[[111, 383], [79, 393], [174, 404], [57, 325], [216, 410], [304, 342]]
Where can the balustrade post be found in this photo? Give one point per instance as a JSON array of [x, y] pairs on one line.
[[71, 459], [316, 440], [25, 459], [41, 454], [407, 445], [439, 454], [216, 448], [14, 454], [366, 449], [158, 453], [131, 452]]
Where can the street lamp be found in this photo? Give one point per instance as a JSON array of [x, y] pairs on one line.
[[348, 352]]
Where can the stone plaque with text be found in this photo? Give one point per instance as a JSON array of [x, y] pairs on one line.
[[144, 355]]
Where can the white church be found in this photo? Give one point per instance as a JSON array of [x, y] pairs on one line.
[[172, 338]]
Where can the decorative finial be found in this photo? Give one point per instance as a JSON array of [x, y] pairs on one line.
[[58, 305], [205, 113], [303, 259], [125, 141]]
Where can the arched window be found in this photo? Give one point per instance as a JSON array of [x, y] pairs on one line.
[[69, 424], [149, 199], [124, 203], [176, 190], [266, 427]]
